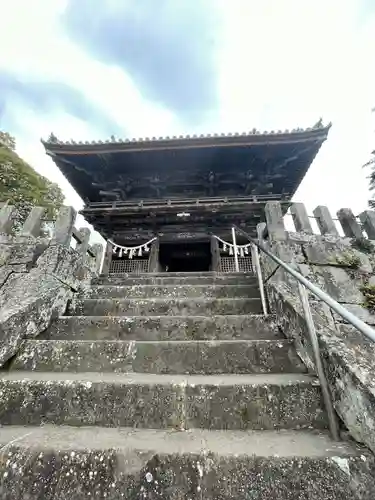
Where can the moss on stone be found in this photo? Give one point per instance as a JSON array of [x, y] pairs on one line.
[[363, 245], [369, 294], [348, 259]]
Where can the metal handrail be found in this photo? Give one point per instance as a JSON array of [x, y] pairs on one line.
[[304, 284], [332, 303]]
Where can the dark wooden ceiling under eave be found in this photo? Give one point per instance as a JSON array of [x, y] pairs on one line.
[[190, 168]]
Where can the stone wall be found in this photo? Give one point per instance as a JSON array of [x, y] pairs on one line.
[[344, 267], [39, 275]]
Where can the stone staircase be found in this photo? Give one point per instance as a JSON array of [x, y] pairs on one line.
[[169, 386]]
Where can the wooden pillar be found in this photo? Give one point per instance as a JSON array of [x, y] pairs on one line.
[[215, 255]]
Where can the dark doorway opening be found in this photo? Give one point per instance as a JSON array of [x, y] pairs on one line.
[[185, 257]]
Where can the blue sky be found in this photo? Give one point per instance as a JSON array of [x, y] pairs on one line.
[[87, 69]]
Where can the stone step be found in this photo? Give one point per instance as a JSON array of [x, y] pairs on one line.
[[121, 463], [234, 402], [172, 291], [250, 327], [171, 279], [164, 307], [194, 357]]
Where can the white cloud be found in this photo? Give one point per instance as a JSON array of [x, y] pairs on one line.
[[280, 64]]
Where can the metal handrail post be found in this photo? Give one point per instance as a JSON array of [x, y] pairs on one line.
[[258, 271], [332, 421], [237, 267]]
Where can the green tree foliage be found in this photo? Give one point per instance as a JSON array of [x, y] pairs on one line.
[[22, 187]]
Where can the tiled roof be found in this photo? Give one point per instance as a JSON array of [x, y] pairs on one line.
[[53, 140]]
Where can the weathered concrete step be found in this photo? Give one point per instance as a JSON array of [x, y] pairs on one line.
[[266, 401], [172, 291], [170, 279], [70, 463], [166, 307], [196, 357], [164, 328]]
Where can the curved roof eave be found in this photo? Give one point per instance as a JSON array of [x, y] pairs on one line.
[[55, 146]]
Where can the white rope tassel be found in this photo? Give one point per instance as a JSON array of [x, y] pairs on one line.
[[120, 253], [241, 252], [224, 247], [246, 250], [132, 250], [230, 250]]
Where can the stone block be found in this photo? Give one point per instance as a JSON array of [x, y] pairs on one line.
[[190, 357], [267, 401], [326, 253], [106, 400], [358, 310], [66, 265], [27, 304], [172, 279], [164, 328], [350, 372], [254, 406], [169, 307], [171, 291], [337, 282], [114, 464]]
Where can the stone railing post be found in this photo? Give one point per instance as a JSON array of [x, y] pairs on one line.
[[300, 218], [33, 224], [64, 226], [6, 219], [83, 243], [367, 219], [107, 258], [324, 220], [349, 223], [153, 262], [97, 248], [261, 231], [275, 221]]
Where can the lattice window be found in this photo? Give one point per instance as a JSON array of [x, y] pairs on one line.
[[227, 265], [129, 266]]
